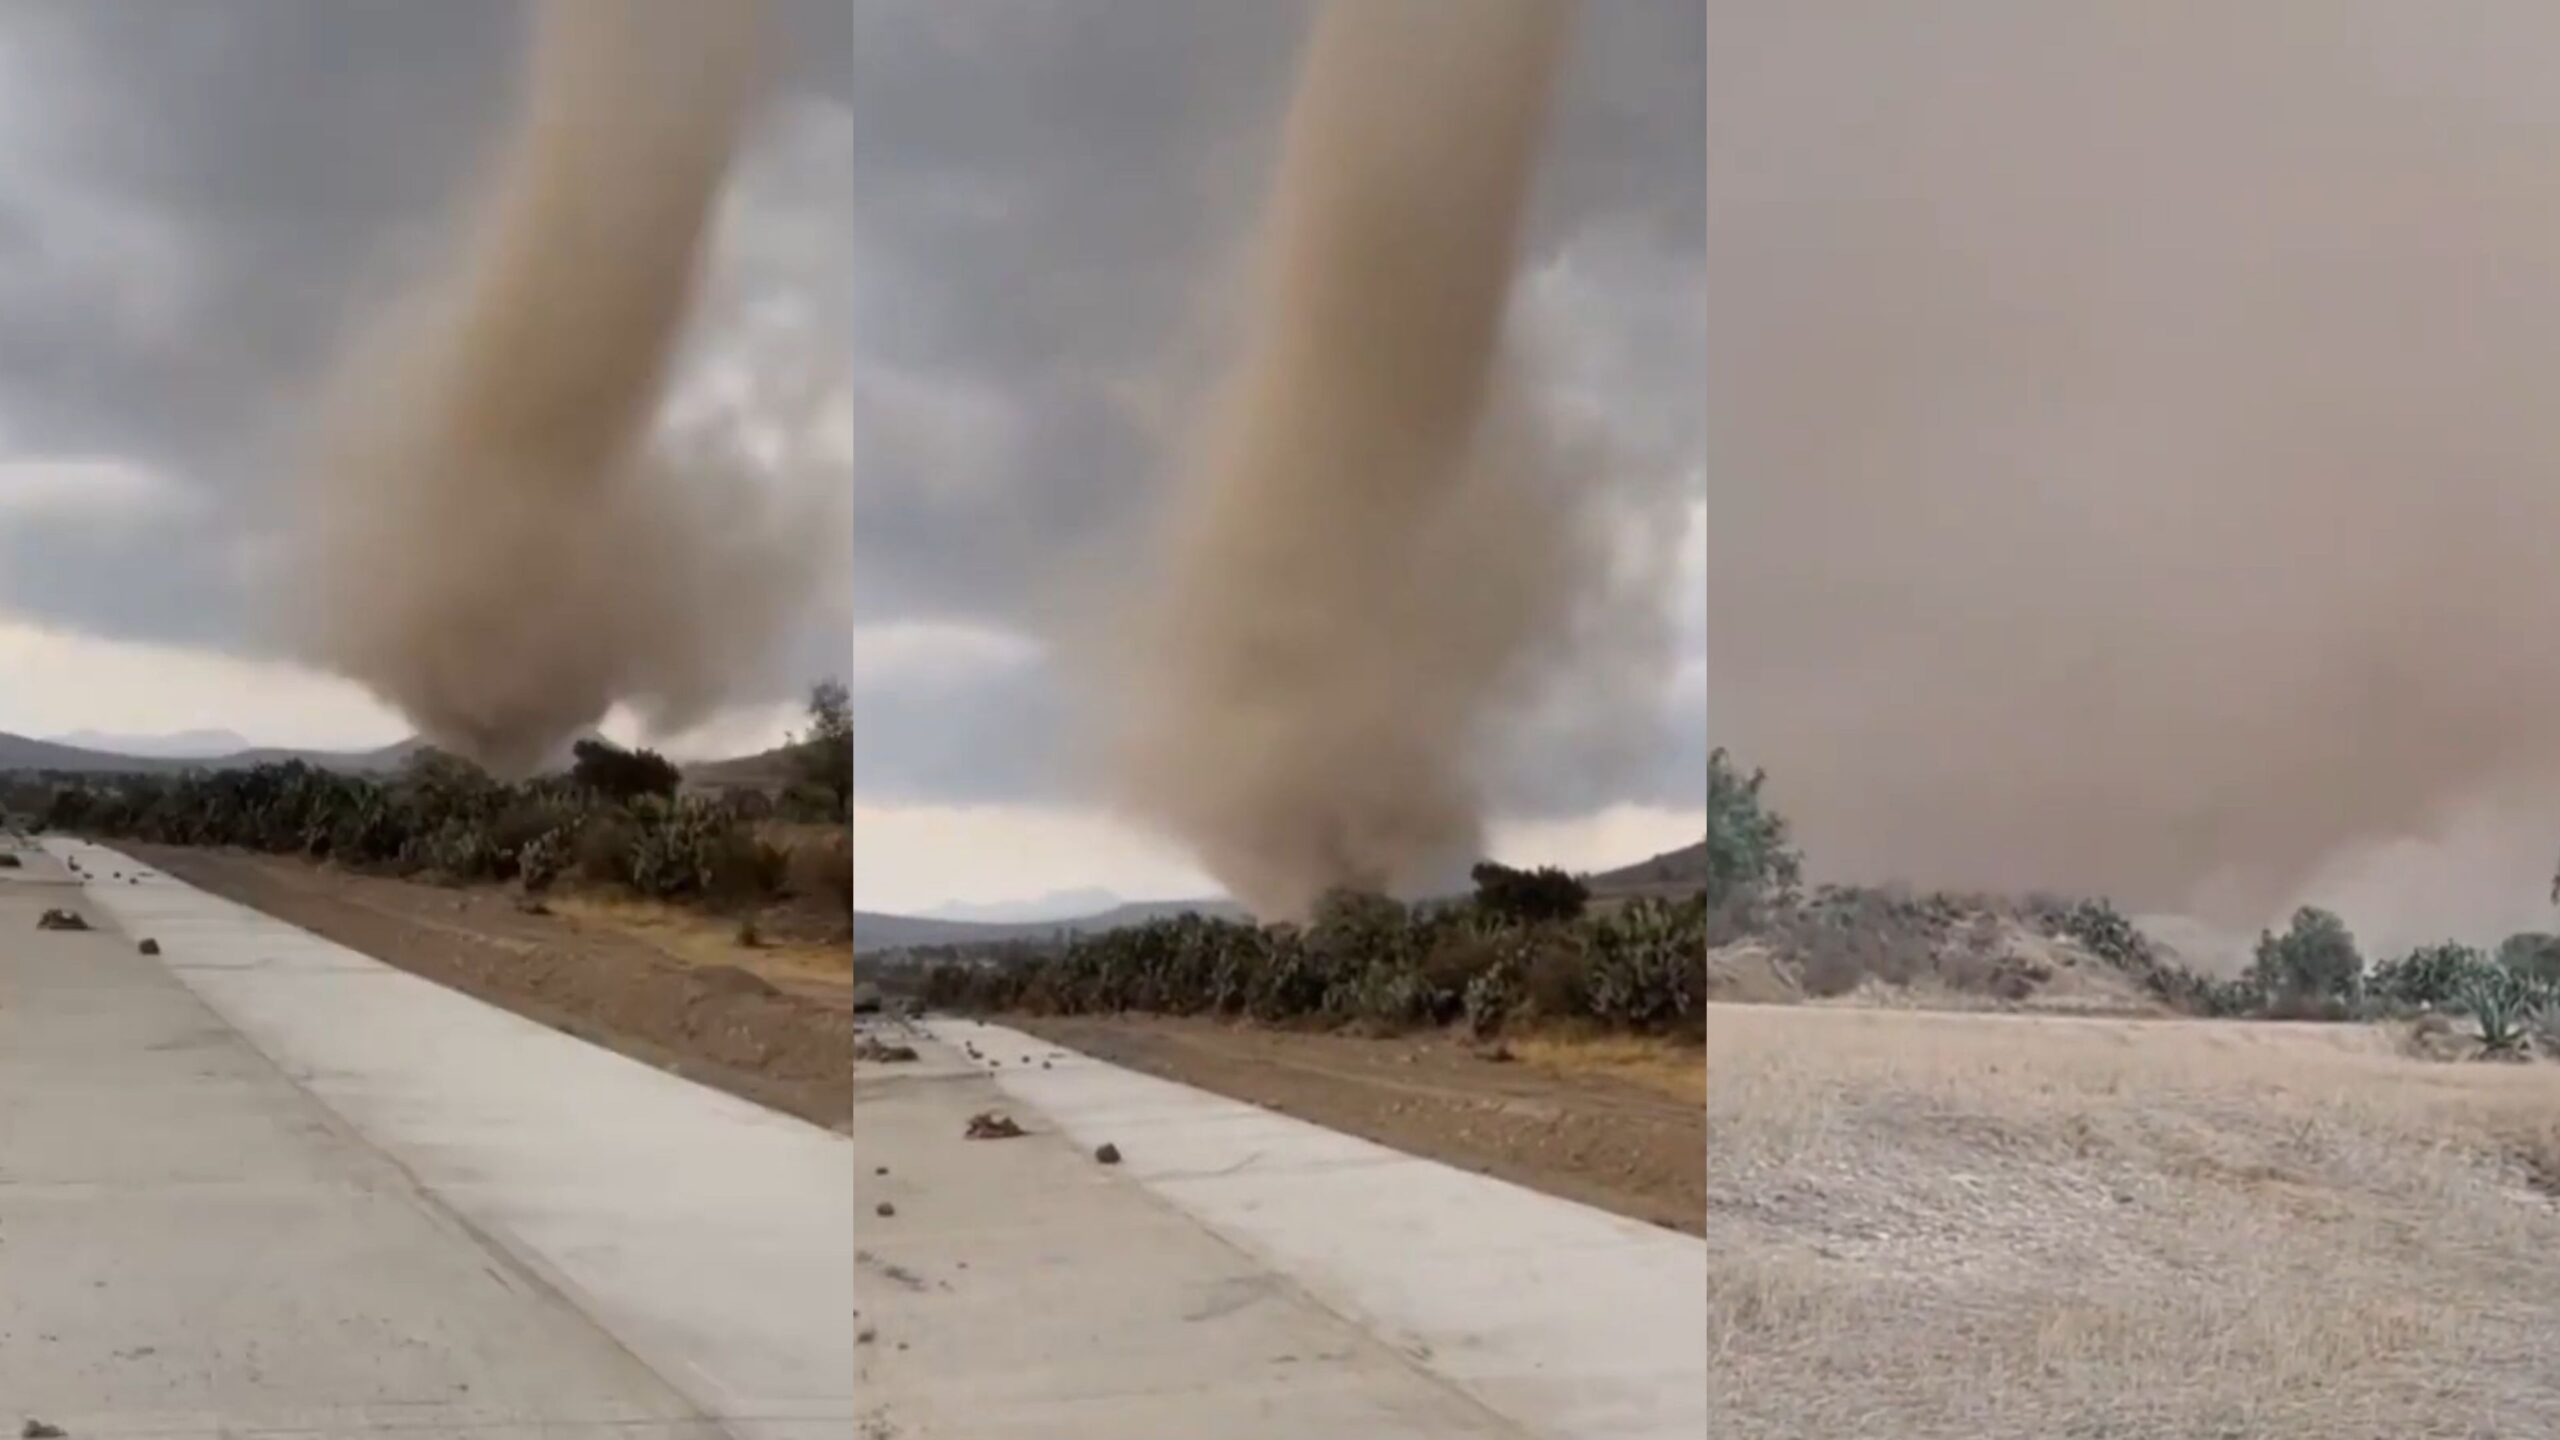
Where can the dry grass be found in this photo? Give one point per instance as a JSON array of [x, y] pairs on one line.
[[1933, 1225], [1663, 1066], [698, 938]]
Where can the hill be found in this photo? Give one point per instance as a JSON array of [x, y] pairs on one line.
[[875, 930], [1673, 872], [22, 753], [1056, 905], [776, 769], [185, 744], [1679, 872]]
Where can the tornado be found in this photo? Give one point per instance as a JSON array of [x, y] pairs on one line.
[[1363, 553], [487, 532]]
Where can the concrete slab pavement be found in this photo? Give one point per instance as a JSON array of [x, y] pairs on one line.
[[1018, 1291], [710, 1238], [1239, 1273], [191, 1245], [1572, 1321]]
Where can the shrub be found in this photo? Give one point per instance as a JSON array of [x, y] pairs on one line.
[[1495, 994], [2315, 958], [1551, 983], [1528, 897], [743, 867], [605, 848], [1648, 967], [824, 758], [606, 769], [2431, 975], [546, 857], [1750, 859], [1456, 960], [678, 848], [2531, 955]]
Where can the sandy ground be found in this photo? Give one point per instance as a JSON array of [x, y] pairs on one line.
[[1937, 1225], [770, 1023], [1614, 1125]]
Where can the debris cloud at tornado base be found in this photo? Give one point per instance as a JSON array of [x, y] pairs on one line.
[[486, 531], [1377, 549]]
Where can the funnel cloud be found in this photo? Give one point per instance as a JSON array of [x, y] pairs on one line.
[[491, 533], [2134, 459], [1372, 550]]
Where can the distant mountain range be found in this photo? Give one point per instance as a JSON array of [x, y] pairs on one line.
[[184, 745], [19, 752], [93, 752], [1673, 872], [1044, 909], [876, 930]]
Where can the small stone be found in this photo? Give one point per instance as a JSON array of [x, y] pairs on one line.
[[38, 1430], [987, 1125], [884, 1210], [865, 1336], [149, 947], [1107, 1154]]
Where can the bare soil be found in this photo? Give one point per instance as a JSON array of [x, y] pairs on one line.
[[1619, 1125], [773, 1024]]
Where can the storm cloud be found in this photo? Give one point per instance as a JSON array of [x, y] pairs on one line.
[[1007, 317], [195, 204], [1055, 200]]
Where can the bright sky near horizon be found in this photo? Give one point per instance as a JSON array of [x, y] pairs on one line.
[[195, 202]]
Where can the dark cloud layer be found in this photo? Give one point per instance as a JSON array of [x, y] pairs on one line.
[[194, 202], [1051, 196], [194, 197]]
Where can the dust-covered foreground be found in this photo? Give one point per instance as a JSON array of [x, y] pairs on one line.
[[1924, 1224]]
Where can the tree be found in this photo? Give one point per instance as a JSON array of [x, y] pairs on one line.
[[2315, 957], [2531, 955], [1528, 896], [606, 769], [1748, 849], [825, 755], [2430, 975]]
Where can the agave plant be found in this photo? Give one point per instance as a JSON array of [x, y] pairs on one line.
[[2500, 1004]]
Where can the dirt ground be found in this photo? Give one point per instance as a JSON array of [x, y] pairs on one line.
[[772, 1023], [1612, 1124], [2001, 1226]]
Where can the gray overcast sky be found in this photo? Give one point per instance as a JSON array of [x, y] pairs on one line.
[[1011, 214]]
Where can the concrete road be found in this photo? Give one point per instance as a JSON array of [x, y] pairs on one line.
[[190, 1244], [265, 1184], [1238, 1273]]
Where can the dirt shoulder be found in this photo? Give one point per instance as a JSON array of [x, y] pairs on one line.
[[769, 1024], [1618, 1125]]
